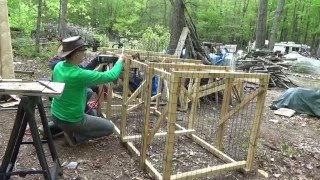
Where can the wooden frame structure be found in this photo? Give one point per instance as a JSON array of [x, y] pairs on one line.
[[172, 75]]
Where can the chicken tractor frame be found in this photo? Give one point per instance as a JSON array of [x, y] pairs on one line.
[[186, 120]]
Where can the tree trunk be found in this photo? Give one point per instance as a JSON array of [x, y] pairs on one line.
[[243, 40], [316, 42], [63, 19], [283, 33], [274, 29], [261, 31], [300, 26], [177, 24], [294, 22], [318, 51], [164, 20], [314, 45], [308, 23], [38, 26]]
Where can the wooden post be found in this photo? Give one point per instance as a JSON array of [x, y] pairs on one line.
[[172, 117], [159, 90], [195, 100], [123, 131], [166, 87], [224, 111], [102, 105], [240, 86], [109, 96], [256, 126], [6, 57], [147, 102], [182, 96], [190, 85]]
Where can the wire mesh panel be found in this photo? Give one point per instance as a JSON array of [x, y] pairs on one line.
[[187, 120], [226, 124]]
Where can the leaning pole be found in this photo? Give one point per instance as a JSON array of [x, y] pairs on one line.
[[6, 57]]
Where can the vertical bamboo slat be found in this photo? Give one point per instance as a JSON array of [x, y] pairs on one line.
[[147, 101], [125, 104], [195, 100], [224, 111], [256, 127], [172, 117]]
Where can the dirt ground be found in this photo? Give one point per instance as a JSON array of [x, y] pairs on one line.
[[289, 148]]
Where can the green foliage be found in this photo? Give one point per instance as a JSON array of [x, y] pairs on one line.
[[104, 41], [22, 15], [21, 47], [155, 39], [231, 21], [50, 11], [79, 11], [25, 48]]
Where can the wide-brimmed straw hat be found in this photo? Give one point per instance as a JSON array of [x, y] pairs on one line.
[[69, 45]]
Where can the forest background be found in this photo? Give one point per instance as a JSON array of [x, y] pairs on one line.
[[146, 24]]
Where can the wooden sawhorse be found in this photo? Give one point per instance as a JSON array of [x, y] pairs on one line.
[[26, 115]]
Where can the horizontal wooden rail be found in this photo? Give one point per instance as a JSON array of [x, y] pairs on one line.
[[214, 170]]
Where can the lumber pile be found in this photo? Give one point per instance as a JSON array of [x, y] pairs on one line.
[[266, 62]]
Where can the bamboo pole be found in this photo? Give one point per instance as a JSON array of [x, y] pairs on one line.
[[224, 110], [153, 170], [109, 96], [162, 73], [6, 57], [188, 92], [136, 93], [195, 99], [172, 117], [207, 146], [212, 90], [189, 66], [134, 107], [240, 106], [182, 96], [123, 131], [147, 101], [158, 135], [157, 125], [159, 91], [256, 126], [214, 170], [101, 100], [221, 74]]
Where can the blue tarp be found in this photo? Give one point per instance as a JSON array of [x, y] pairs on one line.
[[219, 59], [135, 83]]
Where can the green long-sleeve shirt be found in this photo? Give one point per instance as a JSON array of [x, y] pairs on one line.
[[71, 104]]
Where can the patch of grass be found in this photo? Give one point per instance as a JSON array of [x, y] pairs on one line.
[[287, 149], [244, 140]]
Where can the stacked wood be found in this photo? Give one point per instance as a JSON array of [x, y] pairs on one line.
[[273, 65]]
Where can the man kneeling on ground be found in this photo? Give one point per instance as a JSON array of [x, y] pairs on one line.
[[68, 109]]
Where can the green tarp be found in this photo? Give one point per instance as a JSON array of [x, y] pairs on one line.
[[302, 100]]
